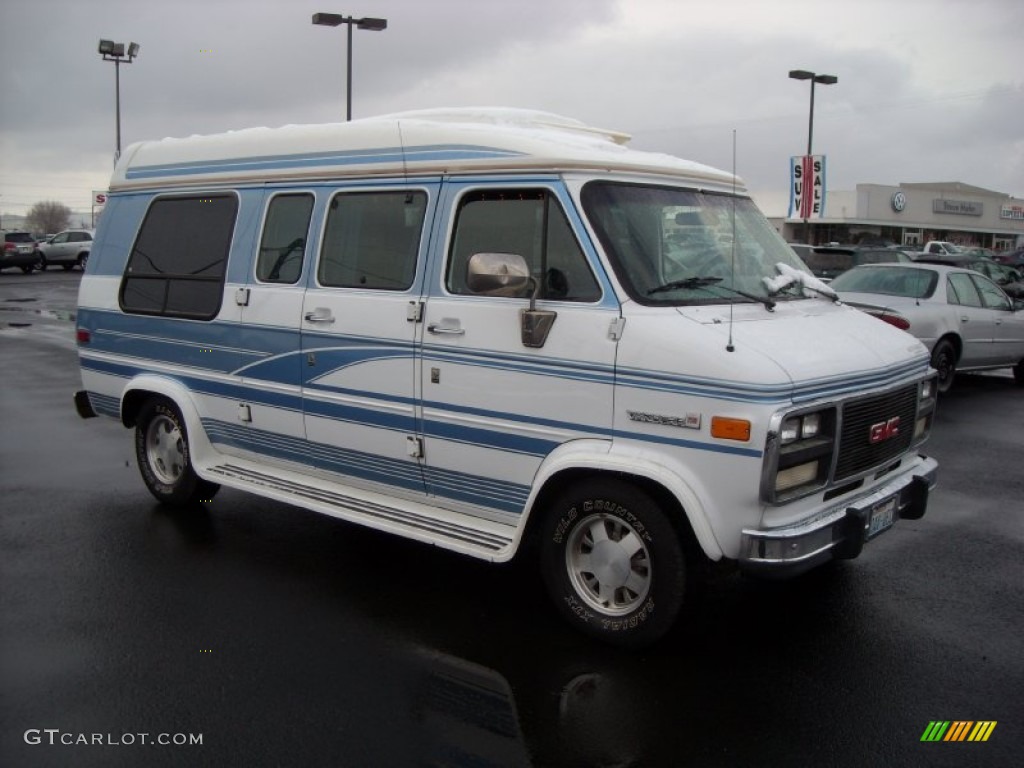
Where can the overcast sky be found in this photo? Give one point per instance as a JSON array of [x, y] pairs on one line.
[[929, 90]]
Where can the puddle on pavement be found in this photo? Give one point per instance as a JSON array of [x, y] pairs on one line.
[[64, 315]]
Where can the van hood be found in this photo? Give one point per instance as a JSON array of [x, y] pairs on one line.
[[803, 350], [818, 345]]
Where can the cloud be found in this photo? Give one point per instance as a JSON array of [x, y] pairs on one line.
[[927, 91]]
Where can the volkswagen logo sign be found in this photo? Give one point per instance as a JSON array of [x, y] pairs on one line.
[[899, 201]]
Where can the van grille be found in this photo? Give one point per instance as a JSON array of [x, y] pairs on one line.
[[856, 451]]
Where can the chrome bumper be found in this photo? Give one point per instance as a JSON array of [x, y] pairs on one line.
[[839, 533]]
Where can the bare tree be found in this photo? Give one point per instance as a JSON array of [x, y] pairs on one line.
[[48, 216]]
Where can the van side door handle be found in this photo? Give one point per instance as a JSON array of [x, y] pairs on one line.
[[447, 327], [320, 315]]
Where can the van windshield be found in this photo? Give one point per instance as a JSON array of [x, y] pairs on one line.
[[680, 246]]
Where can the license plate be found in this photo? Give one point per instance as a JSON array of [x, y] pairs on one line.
[[882, 517]]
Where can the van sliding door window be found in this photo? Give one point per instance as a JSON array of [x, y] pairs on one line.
[[177, 265], [284, 239], [372, 240]]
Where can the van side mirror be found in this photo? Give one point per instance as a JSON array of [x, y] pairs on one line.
[[497, 274], [507, 274]]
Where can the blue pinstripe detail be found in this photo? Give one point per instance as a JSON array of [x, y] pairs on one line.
[[324, 159], [105, 405], [181, 341], [367, 466], [449, 484]]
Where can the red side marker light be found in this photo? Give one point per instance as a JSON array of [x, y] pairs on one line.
[[82, 336]]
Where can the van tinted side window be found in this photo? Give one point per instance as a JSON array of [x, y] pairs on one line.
[[530, 223], [177, 265], [372, 240], [284, 239]]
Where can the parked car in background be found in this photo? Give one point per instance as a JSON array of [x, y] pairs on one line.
[[1008, 278], [19, 251], [939, 247], [801, 249], [910, 251], [967, 322], [69, 248], [980, 253], [1013, 258], [828, 261]]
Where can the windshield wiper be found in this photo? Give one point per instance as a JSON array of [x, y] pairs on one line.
[[687, 282], [706, 282]]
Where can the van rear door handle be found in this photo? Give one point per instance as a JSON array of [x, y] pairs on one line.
[[320, 315]]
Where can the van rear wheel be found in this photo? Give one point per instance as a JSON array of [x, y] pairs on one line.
[[162, 452], [613, 563]]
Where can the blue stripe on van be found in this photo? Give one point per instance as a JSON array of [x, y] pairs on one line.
[[449, 484], [206, 346], [326, 159]]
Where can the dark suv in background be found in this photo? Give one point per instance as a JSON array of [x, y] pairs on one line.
[[828, 261], [20, 250]]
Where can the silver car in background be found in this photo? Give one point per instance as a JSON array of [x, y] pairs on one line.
[[69, 248], [967, 322]]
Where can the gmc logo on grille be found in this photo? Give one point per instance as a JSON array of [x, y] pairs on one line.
[[883, 430]]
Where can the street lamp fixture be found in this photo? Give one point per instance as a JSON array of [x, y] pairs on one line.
[[336, 19], [111, 51], [803, 74]]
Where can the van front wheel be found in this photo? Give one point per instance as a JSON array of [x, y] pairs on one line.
[[162, 452], [613, 563]]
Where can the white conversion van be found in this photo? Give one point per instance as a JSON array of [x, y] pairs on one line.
[[482, 328]]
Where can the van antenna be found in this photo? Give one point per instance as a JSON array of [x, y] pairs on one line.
[[729, 347]]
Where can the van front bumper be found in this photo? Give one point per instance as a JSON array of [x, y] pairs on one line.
[[841, 532]]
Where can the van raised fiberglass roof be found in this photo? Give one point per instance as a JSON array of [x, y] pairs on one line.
[[417, 143]]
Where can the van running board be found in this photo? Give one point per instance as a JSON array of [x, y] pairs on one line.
[[442, 527]]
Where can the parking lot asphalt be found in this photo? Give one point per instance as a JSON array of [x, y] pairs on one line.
[[281, 637]]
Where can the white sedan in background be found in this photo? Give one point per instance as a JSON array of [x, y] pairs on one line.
[[965, 319]]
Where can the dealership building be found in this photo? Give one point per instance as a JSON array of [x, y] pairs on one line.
[[913, 214]]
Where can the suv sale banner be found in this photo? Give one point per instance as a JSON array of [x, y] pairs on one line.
[[807, 187]]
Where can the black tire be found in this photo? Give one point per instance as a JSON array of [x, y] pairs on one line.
[[944, 361], [83, 259], [67, 267], [41, 264], [163, 455], [1018, 373], [632, 596], [28, 270]]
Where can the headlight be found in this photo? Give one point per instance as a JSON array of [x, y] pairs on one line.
[[802, 456], [926, 389], [800, 428]]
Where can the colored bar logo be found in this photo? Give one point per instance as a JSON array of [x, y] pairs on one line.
[[958, 730]]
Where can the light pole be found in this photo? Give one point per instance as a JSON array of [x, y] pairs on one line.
[[115, 52], [803, 74], [334, 20]]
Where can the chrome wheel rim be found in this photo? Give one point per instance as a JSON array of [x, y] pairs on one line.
[[165, 450], [609, 564]]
